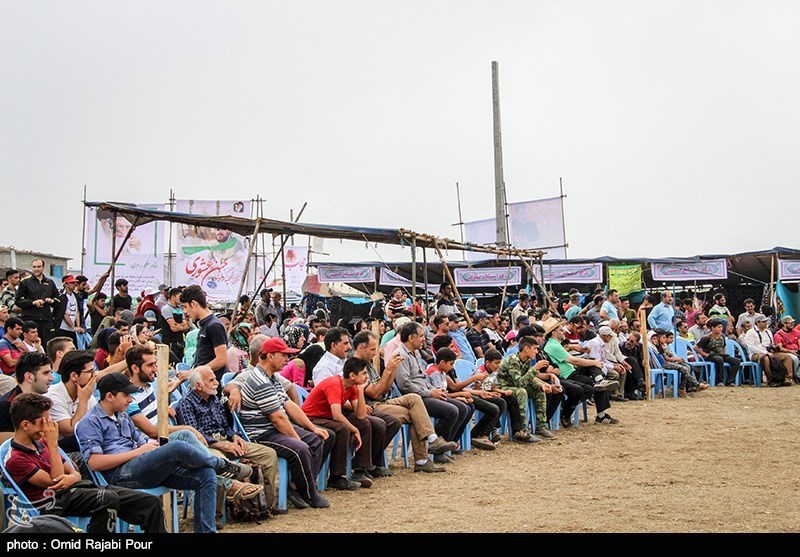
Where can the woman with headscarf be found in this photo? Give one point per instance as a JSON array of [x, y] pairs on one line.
[[239, 351], [299, 370], [295, 337]]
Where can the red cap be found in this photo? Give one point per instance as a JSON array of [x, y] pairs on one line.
[[68, 278], [272, 345]]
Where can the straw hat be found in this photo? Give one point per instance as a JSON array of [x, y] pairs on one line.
[[551, 324]]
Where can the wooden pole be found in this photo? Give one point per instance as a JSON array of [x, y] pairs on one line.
[[499, 183], [162, 404], [376, 360], [253, 241], [83, 231], [284, 239], [646, 354], [505, 287], [113, 255], [551, 304], [277, 255], [425, 278], [772, 285], [413, 269], [453, 284]]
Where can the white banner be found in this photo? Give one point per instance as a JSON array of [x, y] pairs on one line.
[[538, 224], [389, 278], [333, 273], [480, 232], [488, 276], [295, 261], [141, 262], [789, 269], [211, 257], [589, 273], [707, 269]]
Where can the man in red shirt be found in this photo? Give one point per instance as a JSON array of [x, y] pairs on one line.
[[788, 339], [324, 408], [11, 347]]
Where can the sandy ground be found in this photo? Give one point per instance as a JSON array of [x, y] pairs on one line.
[[725, 460]]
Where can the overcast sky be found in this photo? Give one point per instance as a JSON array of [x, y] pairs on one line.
[[674, 124]]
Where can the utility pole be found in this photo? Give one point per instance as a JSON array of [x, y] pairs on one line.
[[499, 185]]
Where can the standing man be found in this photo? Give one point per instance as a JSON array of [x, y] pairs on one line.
[[68, 314], [212, 342], [163, 296], [176, 323], [663, 314], [720, 310], [9, 294], [749, 315], [262, 306], [37, 295], [121, 299]]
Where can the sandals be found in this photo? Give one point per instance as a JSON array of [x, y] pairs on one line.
[[246, 491]]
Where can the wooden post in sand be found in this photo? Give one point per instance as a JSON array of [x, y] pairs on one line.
[[645, 352], [162, 400]]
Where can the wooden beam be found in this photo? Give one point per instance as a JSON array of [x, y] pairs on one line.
[[253, 240], [646, 354], [452, 283], [162, 404]]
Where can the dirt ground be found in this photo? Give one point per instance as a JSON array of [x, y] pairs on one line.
[[720, 461]]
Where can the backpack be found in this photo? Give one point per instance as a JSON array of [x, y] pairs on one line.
[[258, 508], [778, 371]]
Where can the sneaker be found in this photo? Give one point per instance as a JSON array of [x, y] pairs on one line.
[[545, 434], [294, 497], [234, 470], [495, 437], [618, 398], [441, 446], [381, 472], [483, 443], [361, 478], [429, 467], [566, 423], [317, 501], [343, 484], [606, 385], [443, 459], [524, 436], [607, 419]]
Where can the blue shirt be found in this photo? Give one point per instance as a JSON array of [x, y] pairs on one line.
[[610, 309], [513, 350], [661, 317], [100, 433], [206, 416], [464, 346]]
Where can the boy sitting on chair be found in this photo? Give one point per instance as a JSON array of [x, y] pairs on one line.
[[55, 487]]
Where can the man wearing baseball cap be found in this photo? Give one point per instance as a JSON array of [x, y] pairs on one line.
[[111, 444], [68, 313], [787, 338], [477, 337], [267, 414]]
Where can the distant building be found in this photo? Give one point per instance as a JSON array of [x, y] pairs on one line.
[[55, 266]]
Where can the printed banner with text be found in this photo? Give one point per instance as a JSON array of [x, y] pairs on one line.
[[575, 273], [716, 269], [333, 273], [625, 278], [295, 261], [211, 257], [141, 262], [389, 278], [488, 276], [788, 269]]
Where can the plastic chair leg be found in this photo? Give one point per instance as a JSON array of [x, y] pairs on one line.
[[283, 483]]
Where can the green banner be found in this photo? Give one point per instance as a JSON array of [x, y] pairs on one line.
[[625, 278]]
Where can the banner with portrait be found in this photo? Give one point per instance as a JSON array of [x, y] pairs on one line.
[[141, 261], [212, 258]]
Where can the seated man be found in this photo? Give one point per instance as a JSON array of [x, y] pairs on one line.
[[761, 345], [73, 397], [202, 410], [34, 375], [485, 377], [55, 487], [712, 348], [699, 329], [410, 378], [787, 338], [408, 409], [266, 413], [519, 371], [324, 407], [111, 444]]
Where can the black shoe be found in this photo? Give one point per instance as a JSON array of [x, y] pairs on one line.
[[234, 470], [429, 467], [617, 398], [343, 484], [361, 478], [443, 459], [381, 472], [294, 497], [566, 424], [607, 419], [317, 501]]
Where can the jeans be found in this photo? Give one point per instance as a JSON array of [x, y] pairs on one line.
[[491, 410], [719, 363], [177, 465], [451, 416]]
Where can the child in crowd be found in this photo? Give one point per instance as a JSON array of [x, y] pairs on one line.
[[489, 384]]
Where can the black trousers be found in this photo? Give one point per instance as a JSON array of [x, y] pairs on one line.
[[636, 379], [576, 393], [719, 363], [45, 328], [104, 504], [602, 399], [513, 413], [491, 410]]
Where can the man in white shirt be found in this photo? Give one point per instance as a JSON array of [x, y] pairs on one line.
[[30, 337], [337, 345], [760, 344], [597, 351], [750, 314], [73, 396], [72, 320]]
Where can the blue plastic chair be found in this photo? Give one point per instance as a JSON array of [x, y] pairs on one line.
[[480, 362], [17, 502], [403, 436], [733, 348], [682, 347], [226, 378], [180, 366], [660, 376]]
